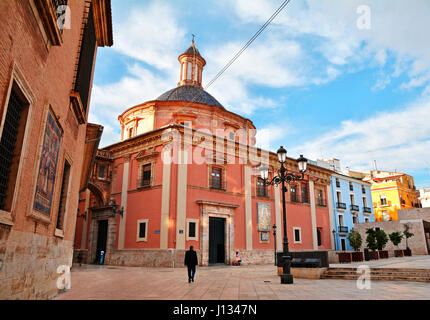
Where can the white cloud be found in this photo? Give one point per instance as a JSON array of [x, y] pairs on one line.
[[397, 140], [398, 27], [109, 101], [151, 34]]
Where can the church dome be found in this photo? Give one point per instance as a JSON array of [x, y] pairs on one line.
[[189, 93]]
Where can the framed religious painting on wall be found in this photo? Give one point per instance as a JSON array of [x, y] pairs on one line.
[[263, 217], [47, 166]]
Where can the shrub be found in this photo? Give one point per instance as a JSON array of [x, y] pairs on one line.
[[396, 237], [407, 234], [355, 240], [381, 239], [371, 239]]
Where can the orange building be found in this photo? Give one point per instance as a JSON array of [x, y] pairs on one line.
[[47, 57], [186, 173], [392, 191]]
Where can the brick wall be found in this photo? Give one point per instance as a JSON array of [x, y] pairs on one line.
[[30, 248]]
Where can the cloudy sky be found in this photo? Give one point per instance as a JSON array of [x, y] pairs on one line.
[[322, 80]]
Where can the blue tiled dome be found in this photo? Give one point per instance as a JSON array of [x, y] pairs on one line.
[[191, 94]]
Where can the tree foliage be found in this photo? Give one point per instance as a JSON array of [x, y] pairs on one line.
[[355, 240], [396, 237], [371, 239]]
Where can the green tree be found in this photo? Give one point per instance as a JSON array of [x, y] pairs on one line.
[[407, 234], [396, 237], [355, 240], [371, 239], [381, 239]]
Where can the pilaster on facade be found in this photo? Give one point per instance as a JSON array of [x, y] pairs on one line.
[[313, 215], [248, 206], [123, 218], [181, 208]]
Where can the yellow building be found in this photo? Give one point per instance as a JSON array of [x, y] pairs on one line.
[[391, 191]]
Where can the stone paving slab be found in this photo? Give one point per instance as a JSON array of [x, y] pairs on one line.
[[258, 282]]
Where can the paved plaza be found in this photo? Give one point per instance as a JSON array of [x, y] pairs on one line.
[[221, 282]]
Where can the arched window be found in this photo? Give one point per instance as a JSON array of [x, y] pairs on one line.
[[183, 70], [196, 72], [189, 70]]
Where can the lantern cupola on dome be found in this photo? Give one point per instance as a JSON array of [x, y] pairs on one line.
[[192, 64]]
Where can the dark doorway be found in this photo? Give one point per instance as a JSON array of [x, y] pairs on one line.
[[343, 244], [101, 239], [216, 240]]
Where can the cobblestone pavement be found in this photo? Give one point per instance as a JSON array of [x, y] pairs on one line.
[[90, 282]]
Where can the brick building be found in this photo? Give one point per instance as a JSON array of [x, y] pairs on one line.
[[47, 57], [186, 173]]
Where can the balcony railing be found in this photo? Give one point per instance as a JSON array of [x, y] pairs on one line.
[[341, 205], [343, 229], [354, 207], [367, 209]]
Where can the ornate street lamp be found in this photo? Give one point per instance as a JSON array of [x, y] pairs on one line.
[[282, 178]]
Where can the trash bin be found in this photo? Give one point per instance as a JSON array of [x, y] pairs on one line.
[[366, 254]]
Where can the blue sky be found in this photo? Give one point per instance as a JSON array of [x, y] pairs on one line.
[[312, 81]]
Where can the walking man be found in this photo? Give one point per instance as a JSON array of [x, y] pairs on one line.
[[191, 262]]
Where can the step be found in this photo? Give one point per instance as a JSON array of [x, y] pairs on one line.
[[393, 273], [381, 278]]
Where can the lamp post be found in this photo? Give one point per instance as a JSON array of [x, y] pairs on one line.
[[282, 178], [274, 237], [334, 239]]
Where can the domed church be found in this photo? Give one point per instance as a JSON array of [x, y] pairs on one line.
[[186, 173]]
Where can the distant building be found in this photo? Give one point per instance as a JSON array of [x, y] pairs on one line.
[[352, 202], [425, 198], [47, 58], [392, 191]]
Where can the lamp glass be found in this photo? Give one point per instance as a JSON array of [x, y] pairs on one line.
[[264, 172], [302, 163], [282, 154]]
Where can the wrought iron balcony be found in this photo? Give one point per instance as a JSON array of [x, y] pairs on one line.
[[354, 207], [367, 209], [343, 229], [341, 205]]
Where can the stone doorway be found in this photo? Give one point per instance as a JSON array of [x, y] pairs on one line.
[[224, 211], [101, 239], [102, 234], [216, 240]]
